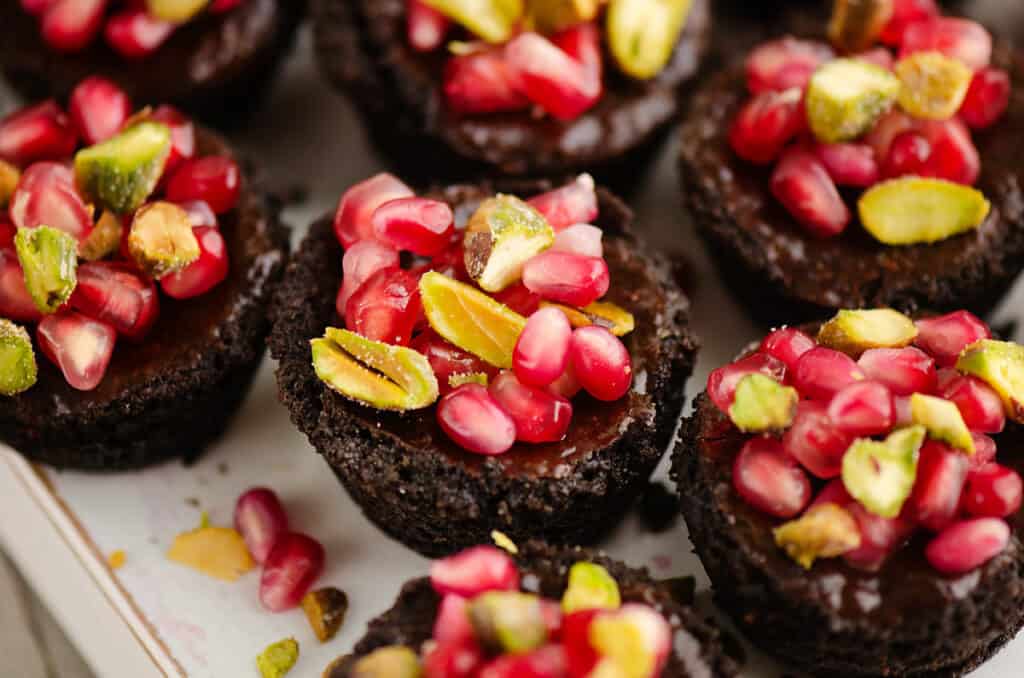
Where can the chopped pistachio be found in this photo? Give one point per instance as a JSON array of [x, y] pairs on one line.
[[161, 240], [590, 588], [643, 34], [175, 11], [606, 314], [120, 173], [49, 259], [552, 16], [933, 85], [856, 331], [18, 370], [104, 240], [9, 177], [846, 96], [1000, 364], [502, 541], [217, 552], [824, 531], [463, 378], [501, 236], [857, 24], [942, 420], [508, 621], [325, 609], [491, 20], [881, 475], [394, 661], [763, 404], [916, 210], [278, 658]]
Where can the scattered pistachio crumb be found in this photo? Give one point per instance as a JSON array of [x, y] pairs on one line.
[[278, 658], [204, 520], [502, 541], [116, 559]]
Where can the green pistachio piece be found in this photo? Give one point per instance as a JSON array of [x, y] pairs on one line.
[[504, 542], [325, 609], [18, 371], [49, 259], [881, 475], [492, 20], [590, 588], [624, 638], [846, 96], [508, 621], [9, 177], [501, 236], [470, 319], [161, 240], [824, 531], [763, 404], [642, 34], [942, 420], [914, 210], [104, 240], [278, 658], [1000, 364], [175, 11], [552, 16], [463, 378], [612, 317], [854, 332], [857, 24], [374, 373], [933, 86], [120, 173], [394, 661]]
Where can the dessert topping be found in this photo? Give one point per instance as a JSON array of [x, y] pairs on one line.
[[394, 661], [121, 172], [913, 210], [854, 332], [846, 96], [933, 86], [161, 240], [117, 294], [502, 235], [18, 370], [942, 420], [175, 11], [474, 419], [261, 520], [294, 564], [278, 658], [80, 346], [508, 621], [1000, 364], [590, 587], [606, 314], [104, 240], [49, 261], [475, 571], [762, 404], [856, 25], [492, 20], [218, 552], [325, 609], [642, 34], [823, 531], [880, 475]]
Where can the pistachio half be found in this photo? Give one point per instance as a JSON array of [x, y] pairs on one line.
[[612, 317], [942, 420], [856, 331], [49, 259], [590, 587], [914, 210], [161, 240], [881, 475], [121, 172], [933, 85], [846, 96], [492, 20], [501, 236], [824, 531], [643, 34], [18, 369], [1000, 364]]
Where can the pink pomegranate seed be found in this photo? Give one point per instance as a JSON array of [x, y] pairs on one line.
[[784, 64], [483, 82], [222, 6], [447, 359], [960, 39], [116, 294], [183, 136], [552, 613], [567, 385], [885, 131], [474, 420], [80, 346], [904, 416], [954, 156], [987, 98], [99, 108], [769, 479], [456, 659], [519, 299], [601, 363], [582, 42], [474, 571], [567, 278], [549, 661], [418, 225], [821, 373], [801, 183], [575, 637], [540, 416], [135, 34], [879, 56], [46, 196], [542, 351], [294, 564], [581, 239], [908, 155], [946, 336], [361, 261], [993, 491], [452, 623], [36, 7], [903, 370], [203, 274], [905, 13], [863, 408], [849, 164], [15, 302], [766, 124], [199, 214], [879, 537], [214, 179], [386, 307], [353, 220], [979, 405], [968, 544], [39, 132], [552, 79], [70, 25], [834, 492], [7, 233], [723, 381], [815, 442], [426, 28], [941, 474], [261, 520], [787, 344], [984, 451], [574, 203]]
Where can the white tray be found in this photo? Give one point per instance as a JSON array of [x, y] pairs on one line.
[[154, 618]]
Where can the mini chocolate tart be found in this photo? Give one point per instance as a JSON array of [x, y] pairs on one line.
[[697, 646], [421, 488], [216, 67], [363, 49]]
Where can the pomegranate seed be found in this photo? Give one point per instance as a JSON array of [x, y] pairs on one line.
[[885, 131], [474, 571], [567, 385], [117, 295], [261, 520], [135, 34], [80, 346], [993, 491], [539, 416], [968, 544], [183, 136], [834, 492], [221, 6], [580, 654], [474, 420], [574, 203], [863, 408], [979, 405], [905, 13], [99, 108], [7, 233], [213, 179], [987, 98], [361, 261], [849, 164], [199, 214], [908, 155], [941, 474], [581, 239], [582, 42], [70, 25], [787, 344], [904, 415], [549, 661], [447, 359], [879, 56], [723, 381], [452, 623], [769, 479], [46, 195], [36, 7], [550, 78], [960, 39], [552, 613], [784, 64], [801, 183], [984, 451], [15, 301], [418, 225], [601, 363], [904, 371], [821, 373], [294, 564], [567, 278], [542, 351], [386, 307], [39, 132], [946, 336], [954, 156], [458, 659], [815, 442], [353, 220], [766, 124], [203, 274], [426, 28], [879, 537], [482, 82], [519, 299]]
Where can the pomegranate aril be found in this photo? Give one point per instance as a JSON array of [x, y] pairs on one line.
[[864, 408], [580, 653], [908, 155], [447, 360], [885, 131], [386, 307], [822, 372], [957, 38], [474, 571], [581, 239], [539, 416], [7, 233], [787, 344], [482, 82], [425, 26], [968, 544], [769, 479], [801, 183], [551, 78], [542, 350], [905, 13], [80, 346], [215, 179], [984, 451], [203, 274], [834, 492], [979, 405], [472, 418], [903, 370], [361, 261], [945, 337], [784, 64], [353, 220], [815, 442], [183, 136], [117, 295], [849, 164], [70, 25], [879, 56], [15, 302], [582, 42], [574, 203], [879, 537], [567, 385], [261, 520], [417, 225], [993, 491], [904, 415], [134, 33], [722, 382], [519, 299], [452, 623], [601, 363], [221, 6], [99, 108], [766, 124], [36, 7], [549, 661], [954, 156], [453, 659], [199, 214], [294, 564], [567, 278], [941, 474], [39, 132], [46, 196], [987, 98]]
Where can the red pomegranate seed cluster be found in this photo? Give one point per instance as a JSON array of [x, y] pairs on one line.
[[962, 499], [113, 297], [128, 28], [771, 128]]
